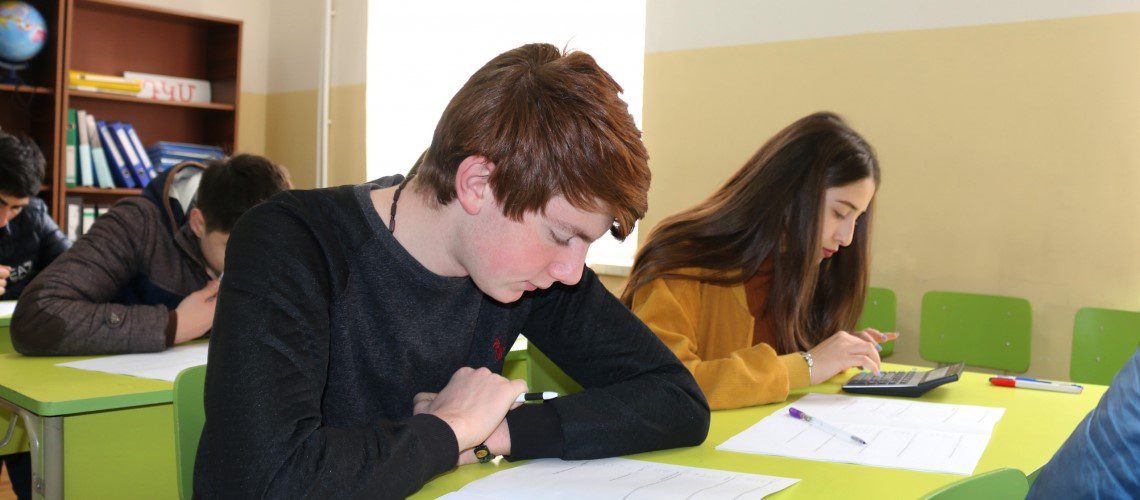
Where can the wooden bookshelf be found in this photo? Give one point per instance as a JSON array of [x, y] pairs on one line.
[[112, 37], [32, 108]]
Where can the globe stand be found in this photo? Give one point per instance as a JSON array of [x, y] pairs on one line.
[[8, 73]]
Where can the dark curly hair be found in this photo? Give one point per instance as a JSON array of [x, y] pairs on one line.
[[21, 166]]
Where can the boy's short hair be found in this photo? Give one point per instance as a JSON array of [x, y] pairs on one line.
[[553, 124], [21, 166], [233, 185]]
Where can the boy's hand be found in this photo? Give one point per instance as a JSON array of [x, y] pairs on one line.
[[499, 442], [196, 313], [5, 271], [474, 404]]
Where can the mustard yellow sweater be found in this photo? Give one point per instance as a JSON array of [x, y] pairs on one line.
[[709, 328]]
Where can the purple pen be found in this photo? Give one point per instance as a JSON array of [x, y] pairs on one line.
[[824, 426]]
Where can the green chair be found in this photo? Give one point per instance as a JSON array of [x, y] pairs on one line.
[[1000, 484], [189, 416], [543, 375], [879, 313], [1103, 340], [983, 330]]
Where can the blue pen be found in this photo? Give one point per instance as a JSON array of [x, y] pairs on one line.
[[1031, 379]]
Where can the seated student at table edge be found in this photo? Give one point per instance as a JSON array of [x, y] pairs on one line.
[[29, 238], [757, 288], [144, 277], [361, 330], [1099, 460], [29, 241]]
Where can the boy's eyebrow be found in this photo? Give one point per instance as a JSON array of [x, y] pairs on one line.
[[575, 230]]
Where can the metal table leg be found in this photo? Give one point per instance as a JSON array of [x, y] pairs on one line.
[[45, 439]]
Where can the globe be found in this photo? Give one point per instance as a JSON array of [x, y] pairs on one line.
[[22, 32]]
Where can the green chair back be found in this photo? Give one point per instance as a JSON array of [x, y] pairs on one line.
[[189, 416], [1000, 484], [879, 310], [543, 375], [1103, 340], [983, 330]]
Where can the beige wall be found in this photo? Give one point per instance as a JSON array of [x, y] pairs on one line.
[[294, 73], [280, 72], [346, 135], [1010, 154]]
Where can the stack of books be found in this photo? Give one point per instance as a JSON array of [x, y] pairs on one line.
[[105, 155], [168, 154], [107, 84]]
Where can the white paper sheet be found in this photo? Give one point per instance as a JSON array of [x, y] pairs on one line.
[[7, 307], [163, 365], [618, 478], [901, 434]]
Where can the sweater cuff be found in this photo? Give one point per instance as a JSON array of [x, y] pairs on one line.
[[536, 432], [171, 327], [798, 375], [437, 444]]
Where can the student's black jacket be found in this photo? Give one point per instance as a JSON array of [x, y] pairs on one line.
[[326, 328], [28, 243]]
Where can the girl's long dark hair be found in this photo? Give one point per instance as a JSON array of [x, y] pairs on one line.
[[771, 209]]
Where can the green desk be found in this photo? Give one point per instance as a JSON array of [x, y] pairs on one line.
[[98, 435], [1033, 427], [17, 442], [92, 434]]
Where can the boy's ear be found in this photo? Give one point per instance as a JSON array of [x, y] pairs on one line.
[[472, 184], [197, 223]]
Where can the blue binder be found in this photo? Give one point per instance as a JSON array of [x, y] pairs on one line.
[[119, 168], [132, 158], [143, 156]]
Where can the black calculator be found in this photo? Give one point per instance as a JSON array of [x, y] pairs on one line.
[[909, 383]]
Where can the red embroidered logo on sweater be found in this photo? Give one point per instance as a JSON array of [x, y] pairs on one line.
[[498, 347]]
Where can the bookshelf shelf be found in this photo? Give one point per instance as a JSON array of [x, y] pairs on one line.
[[94, 191], [85, 94], [24, 89]]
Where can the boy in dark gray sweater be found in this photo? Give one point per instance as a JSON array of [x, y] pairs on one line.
[[361, 329]]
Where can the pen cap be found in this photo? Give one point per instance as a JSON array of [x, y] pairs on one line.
[[796, 413]]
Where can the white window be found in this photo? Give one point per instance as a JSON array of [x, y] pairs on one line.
[[421, 52]]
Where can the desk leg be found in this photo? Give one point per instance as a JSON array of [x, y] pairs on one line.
[[45, 439]]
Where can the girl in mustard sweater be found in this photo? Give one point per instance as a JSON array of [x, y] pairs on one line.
[[757, 288]]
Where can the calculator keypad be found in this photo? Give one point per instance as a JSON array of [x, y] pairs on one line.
[[884, 378]]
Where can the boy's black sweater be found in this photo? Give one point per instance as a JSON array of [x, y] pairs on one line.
[[326, 328]]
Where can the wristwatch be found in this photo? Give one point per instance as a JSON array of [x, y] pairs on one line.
[[809, 361], [483, 454]]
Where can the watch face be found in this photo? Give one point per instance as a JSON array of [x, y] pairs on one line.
[[482, 453]]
